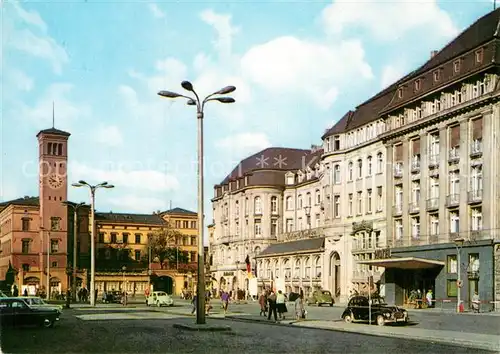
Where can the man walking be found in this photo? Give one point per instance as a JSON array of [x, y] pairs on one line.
[[272, 306]]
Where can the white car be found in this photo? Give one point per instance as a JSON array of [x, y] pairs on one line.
[[159, 298]]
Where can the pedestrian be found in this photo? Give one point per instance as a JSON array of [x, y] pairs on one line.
[[476, 302], [281, 305], [271, 299], [225, 301], [428, 297], [15, 291], [208, 306], [194, 302], [263, 304], [25, 293], [300, 311]]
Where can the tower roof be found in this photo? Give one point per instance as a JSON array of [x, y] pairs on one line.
[[53, 131]]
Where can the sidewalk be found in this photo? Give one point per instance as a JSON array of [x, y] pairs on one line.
[[470, 340]]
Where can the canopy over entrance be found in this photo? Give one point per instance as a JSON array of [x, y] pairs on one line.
[[404, 263]]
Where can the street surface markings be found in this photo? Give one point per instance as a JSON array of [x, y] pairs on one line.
[[126, 316]]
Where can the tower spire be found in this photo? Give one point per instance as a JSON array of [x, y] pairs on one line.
[[53, 115]]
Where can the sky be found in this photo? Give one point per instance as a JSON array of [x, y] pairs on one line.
[[298, 66]]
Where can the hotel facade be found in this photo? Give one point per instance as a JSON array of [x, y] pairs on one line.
[[398, 191]]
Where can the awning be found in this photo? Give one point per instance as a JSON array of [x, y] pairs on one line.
[[403, 263]]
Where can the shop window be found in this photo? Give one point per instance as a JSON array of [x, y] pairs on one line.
[[451, 288]]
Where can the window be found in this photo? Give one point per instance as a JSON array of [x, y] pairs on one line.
[[185, 224], [380, 163], [434, 145], [289, 225], [434, 225], [113, 237], [125, 237], [451, 263], [399, 196], [454, 222], [297, 269], [177, 224], [434, 187], [454, 183], [415, 227], [418, 84], [360, 203], [369, 197], [377, 239], [274, 227], [474, 262], [451, 288], [317, 270], [246, 206], [476, 219], [349, 171], [137, 238], [257, 205], [318, 197], [289, 203], [336, 206], [137, 255], [274, 205], [360, 168], [54, 246], [336, 143], [476, 179], [299, 202], [400, 93], [369, 167], [479, 56], [26, 224], [193, 224], [380, 199], [456, 66], [54, 264], [193, 240], [308, 199], [350, 204], [415, 192], [101, 237], [26, 246], [26, 267], [55, 223], [437, 75], [336, 174], [398, 228], [307, 273], [237, 228], [237, 208], [258, 227]]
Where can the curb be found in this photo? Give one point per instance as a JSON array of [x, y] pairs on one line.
[[452, 341]]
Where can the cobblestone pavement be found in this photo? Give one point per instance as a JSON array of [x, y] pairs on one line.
[[135, 331]]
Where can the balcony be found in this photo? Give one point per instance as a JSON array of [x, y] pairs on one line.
[[476, 148], [476, 235], [397, 210], [226, 239], [454, 156], [452, 200], [432, 204], [475, 196], [453, 236], [433, 161], [398, 170], [415, 166], [302, 234], [414, 208], [433, 239]]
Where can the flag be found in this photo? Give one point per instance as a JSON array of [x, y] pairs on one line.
[[249, 267]]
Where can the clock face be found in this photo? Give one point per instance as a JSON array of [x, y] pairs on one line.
[[55, 181]]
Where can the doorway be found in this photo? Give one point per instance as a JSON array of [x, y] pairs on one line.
[[164, 283], [334, 276]]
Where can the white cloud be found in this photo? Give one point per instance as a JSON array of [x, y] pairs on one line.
[[30, 17], [390, 74], [131, 203], [405, 16], [20, 80], [244, 143], [225, 31], [121, 177], [109, 135], [156, 11], [292, 65]]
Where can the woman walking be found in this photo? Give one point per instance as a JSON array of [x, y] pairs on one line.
[[280, 304], [300, 311], [263, 303], [225, 301]]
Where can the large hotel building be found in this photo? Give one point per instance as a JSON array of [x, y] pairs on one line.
[[398, 191]]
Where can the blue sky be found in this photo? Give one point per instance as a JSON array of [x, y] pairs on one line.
[[298, 67]]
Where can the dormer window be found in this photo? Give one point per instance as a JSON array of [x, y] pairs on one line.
[[479, 56], [418, 85], [400, 92], [336, 143], [456, 66], [437, 75]]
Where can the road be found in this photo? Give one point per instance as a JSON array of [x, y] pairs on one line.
[[135, 330]]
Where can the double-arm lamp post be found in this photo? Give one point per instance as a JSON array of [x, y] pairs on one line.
[[76, 207], [200, 105], [92, 188]]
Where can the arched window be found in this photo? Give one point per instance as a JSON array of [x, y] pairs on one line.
[[288, 270], [309, 199], [257, 205], [296, 273], [289, 203], [307, 269], [336, 174], [274, 205], [380, 163], [276, 270], [245, 207], [360, 168], [369, 166], [268, 269], [317, 271], [349, 171]]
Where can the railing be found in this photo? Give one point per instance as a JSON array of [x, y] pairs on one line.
[[475, 196], [302, 234], [414, 208], [398, 170], [415, 166], [432, 204], [433, 160], [452, 200], [454, 155], [397, 210], [476, 148]]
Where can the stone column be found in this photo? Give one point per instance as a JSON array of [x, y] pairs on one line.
[[407, 187]]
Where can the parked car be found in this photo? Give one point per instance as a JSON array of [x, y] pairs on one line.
[[320, 297], [159, 298], [358, 310], [112, 297], [35, 301], [14, 311]]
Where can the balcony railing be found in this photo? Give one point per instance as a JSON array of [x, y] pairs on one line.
[[415, 165], [476, 148], [476, 235], [398, 170], [432, 204], [454, 156], [414, 208], [433, 160], [452, 200], [302, 234], [397, 210], [475, 196]]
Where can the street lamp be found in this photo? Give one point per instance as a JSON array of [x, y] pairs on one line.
[[92, 231], [200, 105], [75, 207], [458, 244]]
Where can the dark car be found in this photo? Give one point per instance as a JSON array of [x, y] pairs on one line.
[[113, 297], [358, 310], [16, 312]]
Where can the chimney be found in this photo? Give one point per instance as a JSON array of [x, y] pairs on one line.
[[433, 53]]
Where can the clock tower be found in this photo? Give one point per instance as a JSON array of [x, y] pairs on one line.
[[53, 188]]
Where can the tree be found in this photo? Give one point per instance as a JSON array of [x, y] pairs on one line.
[[163, 244]]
